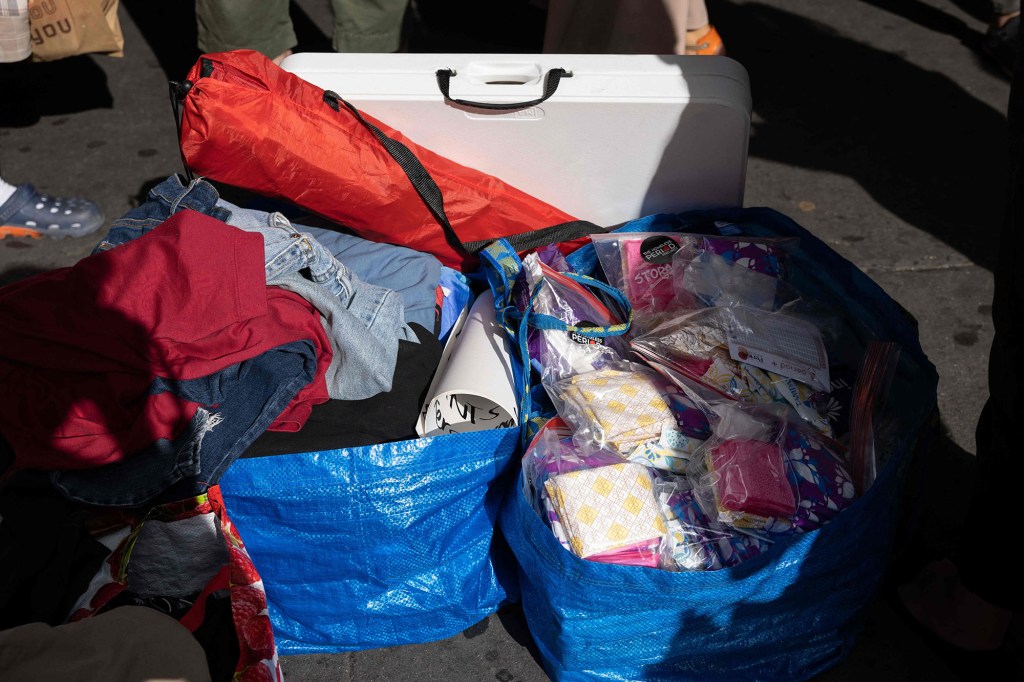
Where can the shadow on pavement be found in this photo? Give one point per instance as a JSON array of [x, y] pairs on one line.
[[466, 26], [18, 273], [170, 31], [32, 90], [935, 19], [827, 103]]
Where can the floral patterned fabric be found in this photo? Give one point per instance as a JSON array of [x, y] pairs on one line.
[[763, 257], [820, 480]]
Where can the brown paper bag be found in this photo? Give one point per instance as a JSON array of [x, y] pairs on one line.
[[65, 28]]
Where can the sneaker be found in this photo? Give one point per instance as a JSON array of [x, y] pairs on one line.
[[709, 44], [27, 213], [1001, 44]]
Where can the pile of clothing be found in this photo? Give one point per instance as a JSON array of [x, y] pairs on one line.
[[196, 332]]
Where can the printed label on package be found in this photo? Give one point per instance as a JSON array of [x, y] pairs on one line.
[[577, 337], [778, 343], [658, 249]]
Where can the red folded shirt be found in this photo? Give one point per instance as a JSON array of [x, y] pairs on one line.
[[80, 346]]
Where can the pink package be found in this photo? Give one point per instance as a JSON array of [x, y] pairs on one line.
[[752, 478], [647, 270], [641, 554]]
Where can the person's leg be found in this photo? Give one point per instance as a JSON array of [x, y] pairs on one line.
[[6, 190], [1000, 40], [261, 25], [1000, 459], [696, 15], [688, 18], [579, 26], [1003, 11], [15, 34], [701, 37], [368, 25], [616, 26], [969, 602]]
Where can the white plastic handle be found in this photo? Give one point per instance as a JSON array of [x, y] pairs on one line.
[[503, 73]]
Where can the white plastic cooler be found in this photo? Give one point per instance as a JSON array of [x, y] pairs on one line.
[[623, 137]]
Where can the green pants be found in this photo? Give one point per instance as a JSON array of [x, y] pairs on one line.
[[264, 25]]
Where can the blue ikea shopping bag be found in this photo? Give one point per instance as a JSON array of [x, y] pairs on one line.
[[787, 614], [377, 546]]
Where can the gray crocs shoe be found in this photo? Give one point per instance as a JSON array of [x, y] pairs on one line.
[[27, 213]]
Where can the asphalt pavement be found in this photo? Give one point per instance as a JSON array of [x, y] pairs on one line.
[[876, 125]]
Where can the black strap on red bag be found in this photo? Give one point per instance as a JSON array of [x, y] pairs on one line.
[[431, 193], [418, 175]]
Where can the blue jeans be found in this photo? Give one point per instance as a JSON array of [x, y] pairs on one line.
[[163, 201], [363, 364], [238, 404], [412, 273]]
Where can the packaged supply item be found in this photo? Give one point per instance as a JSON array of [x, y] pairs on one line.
[[641, 266], [514, 303], [691, 411], [665, 272], [666, 453], [560, 352], [869, 396], [549, 457], [740, 475], [745, 354], [751, 480], [696, 542], [550, 460], [764, 469], [618, 409], [611, 509], [731, 271], [672, 450], [644, 553], [552, 452], [820, 478]]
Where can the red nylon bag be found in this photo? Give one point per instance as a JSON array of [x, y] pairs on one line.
[[248, 123]]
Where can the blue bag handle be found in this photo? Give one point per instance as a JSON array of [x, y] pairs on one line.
[[502, 267]]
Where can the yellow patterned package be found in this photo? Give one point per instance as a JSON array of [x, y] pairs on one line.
[[607, 508]]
